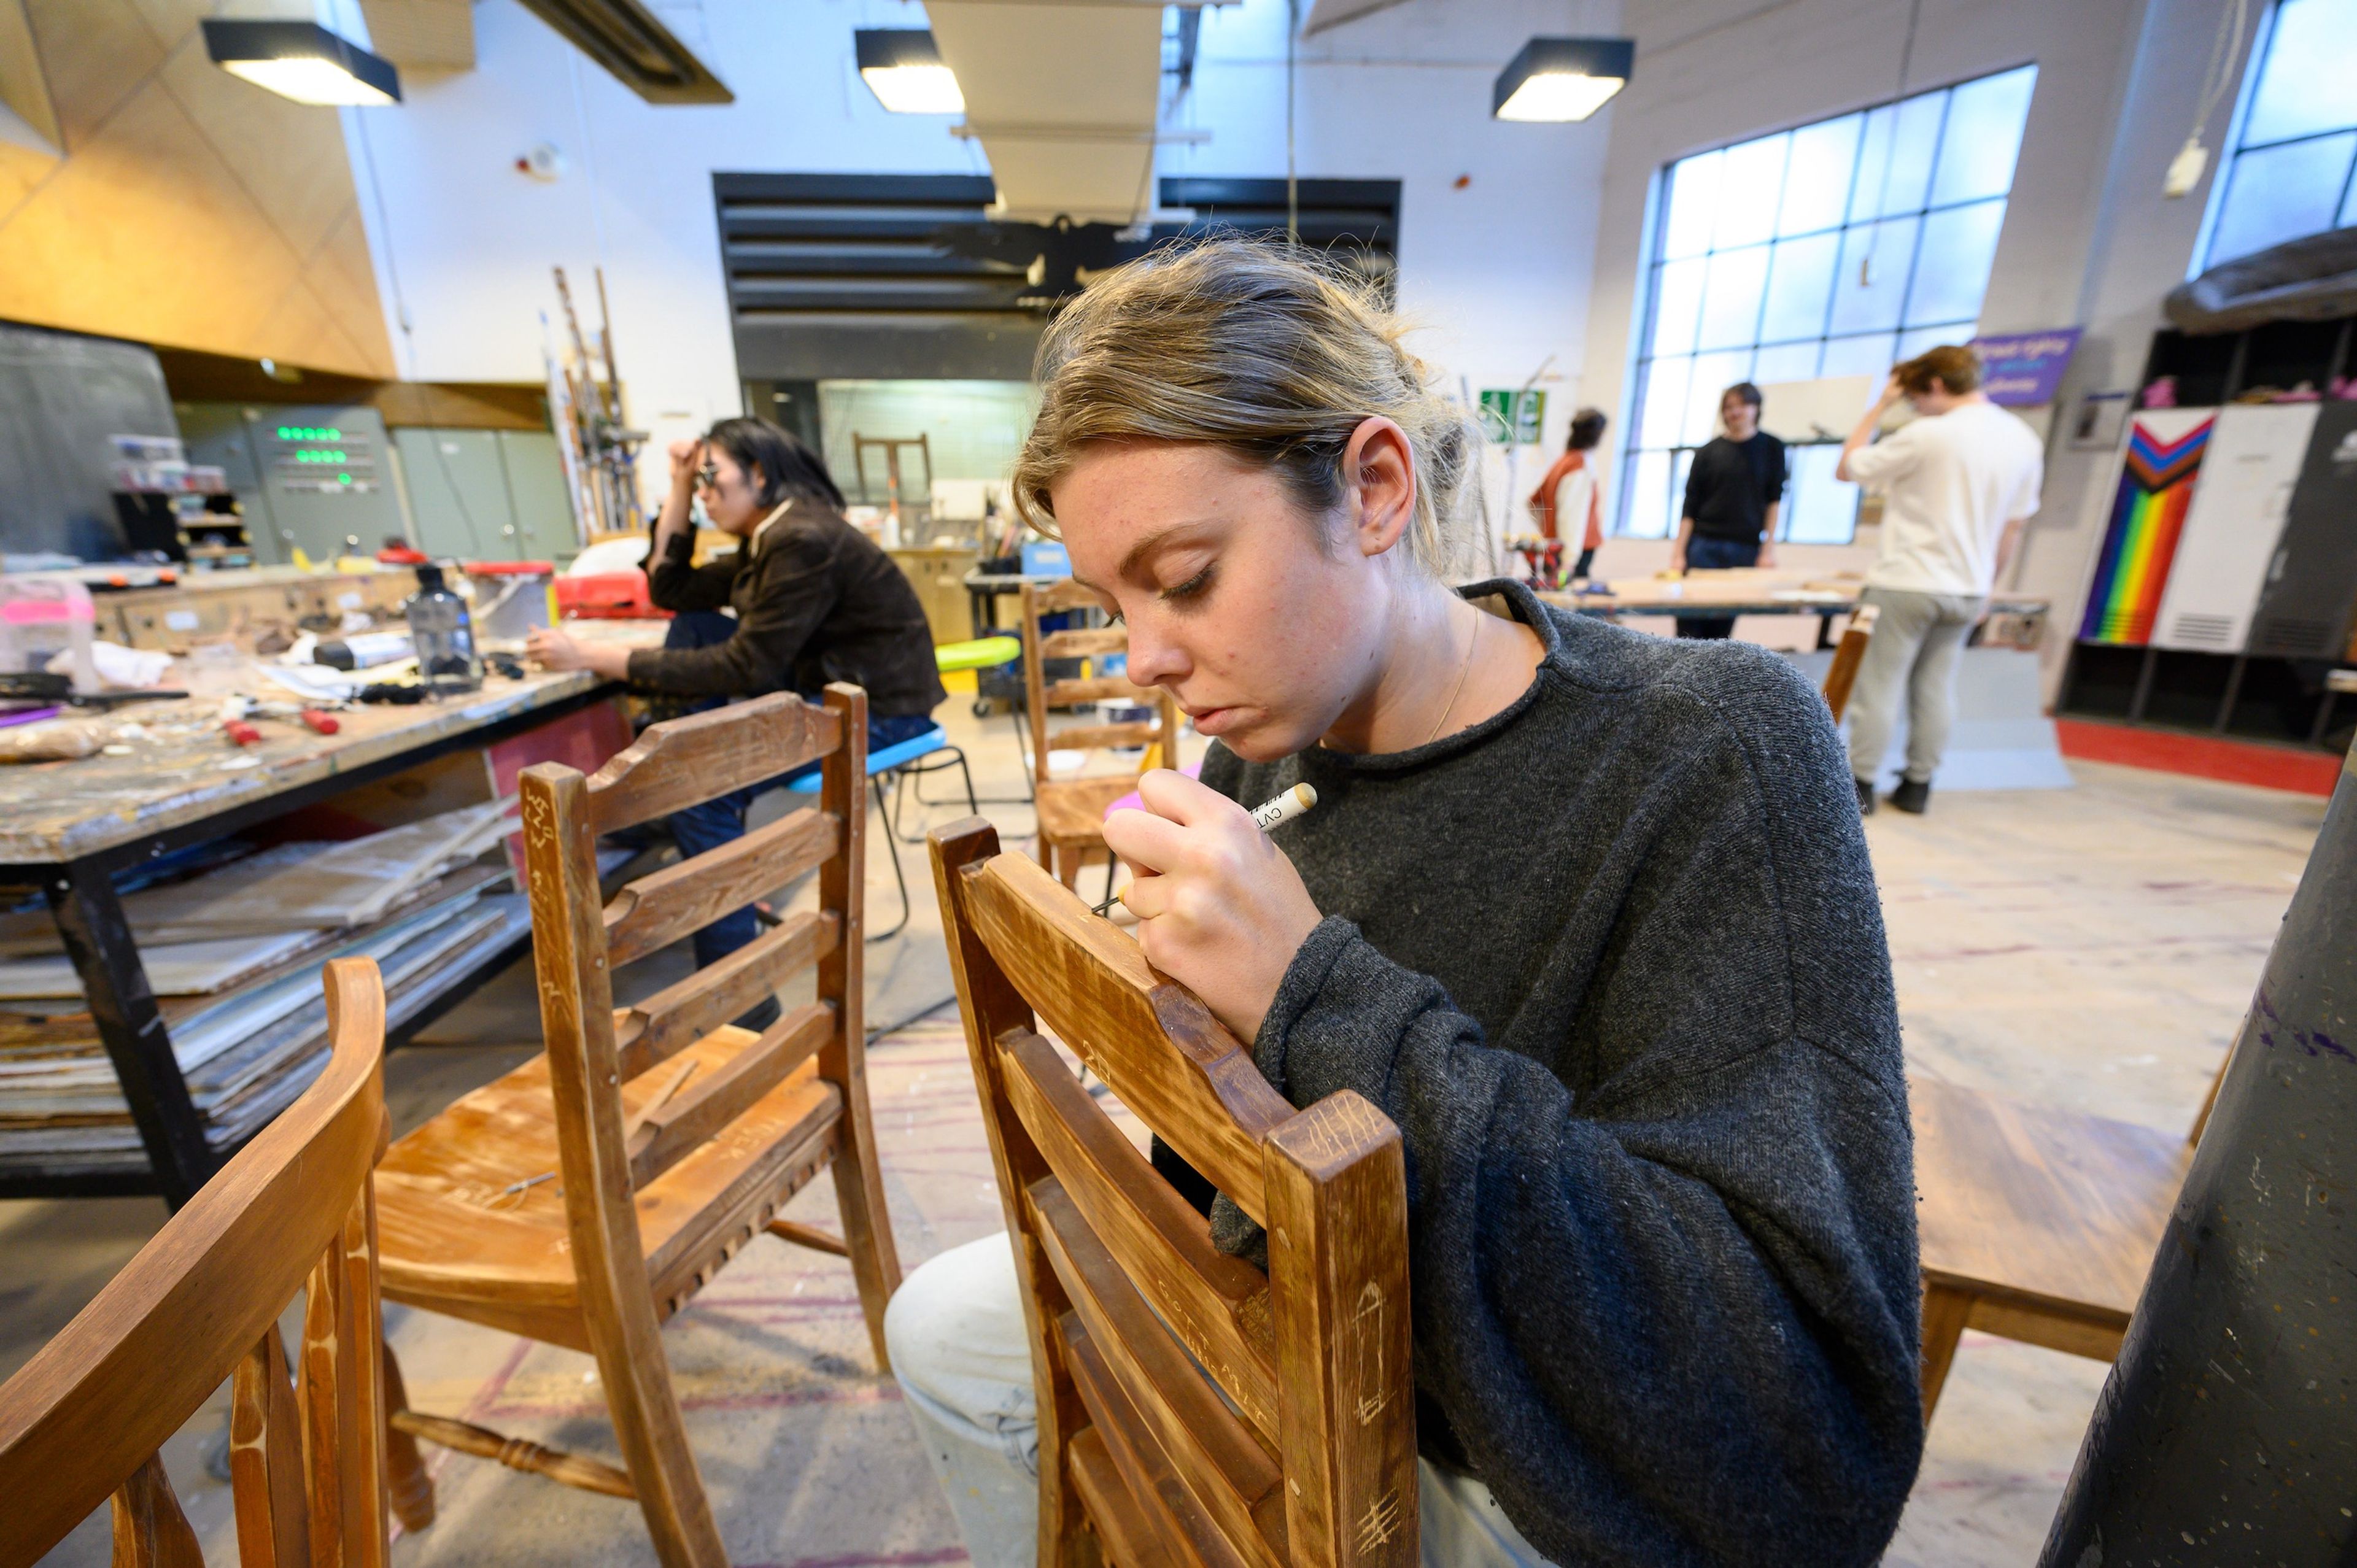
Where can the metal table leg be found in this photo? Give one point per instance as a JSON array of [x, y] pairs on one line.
[[90, 917]]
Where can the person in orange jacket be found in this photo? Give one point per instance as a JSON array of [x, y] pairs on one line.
[[1571, 490]]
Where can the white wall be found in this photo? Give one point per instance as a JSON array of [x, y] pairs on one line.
[[1497, 270], [2088, 238]]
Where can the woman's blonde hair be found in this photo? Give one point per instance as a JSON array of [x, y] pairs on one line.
[[1250, 347]]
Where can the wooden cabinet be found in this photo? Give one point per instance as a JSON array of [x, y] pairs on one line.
[[939, 577]]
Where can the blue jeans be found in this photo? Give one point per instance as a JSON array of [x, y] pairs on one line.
[[1708, 554], [721, 821]]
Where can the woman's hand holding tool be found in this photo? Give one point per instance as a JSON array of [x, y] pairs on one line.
[[1220, 907]]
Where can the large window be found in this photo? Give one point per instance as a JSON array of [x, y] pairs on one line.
[[2293, 141], [1833, 250]]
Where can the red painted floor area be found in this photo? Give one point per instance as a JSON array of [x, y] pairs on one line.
[[2201, 756]]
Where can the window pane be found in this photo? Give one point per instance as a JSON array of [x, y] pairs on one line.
[[1911, 343], [2281, 193], [1871, 354], [1677, 301], [1816, 177], [1748, 189], [1681, 465], [1713, 374], [1951, 268], [1664, 404], [2349, 207], [1694, 205], [1800, 282], [1818, 508], [2309, 81], [1786, 362], [1649, 497], [1894, 161], [1730, 306], [1871, 284], [1982, 136]]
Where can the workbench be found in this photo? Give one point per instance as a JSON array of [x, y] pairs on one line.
[[67, 827], [1756, 591]]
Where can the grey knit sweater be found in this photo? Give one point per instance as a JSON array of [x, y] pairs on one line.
[[1614, 963]]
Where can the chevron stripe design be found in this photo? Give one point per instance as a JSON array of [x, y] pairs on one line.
[[2158, 465]]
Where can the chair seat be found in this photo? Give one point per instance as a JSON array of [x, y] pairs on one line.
[[1072, 811], [452, 1239], [2040, 1209], [981, 653], [884, 761]]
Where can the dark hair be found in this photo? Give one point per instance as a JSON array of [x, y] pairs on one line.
[[1587, 428], [1743, 391], [1955, 366], [789, 468]]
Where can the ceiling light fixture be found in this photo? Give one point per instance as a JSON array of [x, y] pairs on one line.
[[302, 60], [903, 68], [1562, 78]]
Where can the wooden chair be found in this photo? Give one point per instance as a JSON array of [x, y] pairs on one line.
[[2036, 1225], [1071, 811], [1192, 1410], [291, 1214], [586, 1196], [1848, 654]]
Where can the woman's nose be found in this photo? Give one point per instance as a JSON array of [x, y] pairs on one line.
[[1152, 658]]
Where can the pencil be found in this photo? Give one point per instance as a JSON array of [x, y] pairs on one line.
[[1267, 816]]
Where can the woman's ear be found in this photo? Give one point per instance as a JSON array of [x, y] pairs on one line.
[[1379, 484]]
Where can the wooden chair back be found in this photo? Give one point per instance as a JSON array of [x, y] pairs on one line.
[[1848, 654], [579, 940], [291, 1214], [1192, 1410], [1041, 694]]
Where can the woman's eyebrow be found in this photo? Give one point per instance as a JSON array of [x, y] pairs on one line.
[[1137, 552]]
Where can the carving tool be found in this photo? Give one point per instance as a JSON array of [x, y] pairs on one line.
[[1268, 816]]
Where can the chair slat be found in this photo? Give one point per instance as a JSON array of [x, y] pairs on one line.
[[673, 1131], [1216, 1305], [657, 910], [1095, 689], [1049, 598], [1084, 642], [709, 753], [266, 1461], [150, 1531], [1186, 1531], [1082, 737], [1206, 1098], [1130, 1537], [1234, 1479], [682, 1013]]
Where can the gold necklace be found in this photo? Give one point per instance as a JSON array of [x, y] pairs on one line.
[[1471, 644]]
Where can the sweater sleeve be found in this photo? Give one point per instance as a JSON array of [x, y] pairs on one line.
[[1670, 1317], [673, 584], [793, 591]]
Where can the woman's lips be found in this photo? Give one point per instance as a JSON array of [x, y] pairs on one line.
[[1214, 721]]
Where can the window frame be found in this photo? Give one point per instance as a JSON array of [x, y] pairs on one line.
[[1655, 262], [2232, 148]]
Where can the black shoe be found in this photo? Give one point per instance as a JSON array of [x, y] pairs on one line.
[[1911, 796], [762, 1013], [1865, 797]]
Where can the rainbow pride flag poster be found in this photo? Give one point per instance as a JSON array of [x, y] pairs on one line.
[[2163, 461]]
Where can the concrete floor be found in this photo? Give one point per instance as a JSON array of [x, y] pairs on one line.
[[2092, 947]]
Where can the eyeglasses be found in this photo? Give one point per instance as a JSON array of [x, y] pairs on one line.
[[707, 477]]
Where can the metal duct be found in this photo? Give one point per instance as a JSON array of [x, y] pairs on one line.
[[624, 37]]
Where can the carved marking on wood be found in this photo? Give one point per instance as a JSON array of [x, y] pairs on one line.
[[1380, 1522], [1367, 1330]]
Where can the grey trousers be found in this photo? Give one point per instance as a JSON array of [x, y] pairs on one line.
[[963, 1362], [1915, 645]]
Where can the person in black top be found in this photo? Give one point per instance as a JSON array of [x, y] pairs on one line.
[[814, 600], [1734, 491]]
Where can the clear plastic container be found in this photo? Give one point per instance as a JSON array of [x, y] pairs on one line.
[[442, 635], [41, 618]]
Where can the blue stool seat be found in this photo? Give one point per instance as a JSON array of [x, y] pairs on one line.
[[884, 761]]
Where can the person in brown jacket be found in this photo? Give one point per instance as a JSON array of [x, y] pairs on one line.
[[1572, 492], [814, 600]]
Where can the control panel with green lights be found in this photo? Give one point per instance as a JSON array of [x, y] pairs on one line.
[[321, 459]]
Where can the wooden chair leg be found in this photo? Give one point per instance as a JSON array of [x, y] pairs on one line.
[[413, 1488], [653, 1441], [1944, 1311], [1068, 864], [866, 1223]]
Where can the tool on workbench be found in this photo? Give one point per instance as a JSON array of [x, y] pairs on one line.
[[241, 733]]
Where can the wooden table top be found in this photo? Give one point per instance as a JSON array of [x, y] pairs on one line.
[[1746, 590], [184, 769]]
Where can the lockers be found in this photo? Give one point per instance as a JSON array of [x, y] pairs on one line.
[[2233, 526], [486, 495], [2311, 587]]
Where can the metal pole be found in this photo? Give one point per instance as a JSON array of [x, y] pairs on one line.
[[2226, 1432]]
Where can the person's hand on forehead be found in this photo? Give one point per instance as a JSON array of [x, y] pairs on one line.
[[1220, 909]]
